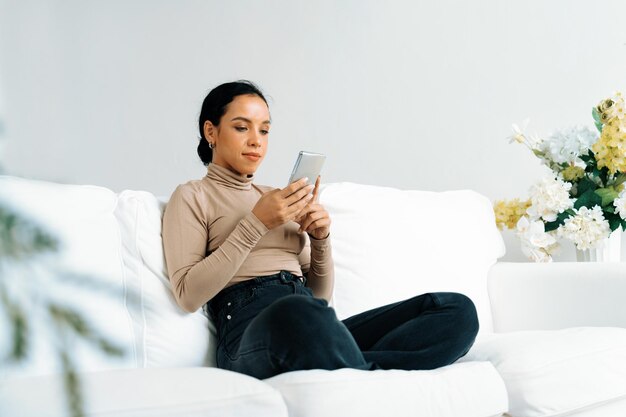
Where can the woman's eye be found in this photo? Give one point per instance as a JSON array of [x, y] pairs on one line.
[[265, 132], [240, 128]]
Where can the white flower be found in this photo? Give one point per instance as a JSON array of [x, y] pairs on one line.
[[586, 228], [620, 204], [519, 135], [537, 244], [565, 146], [549, 198]]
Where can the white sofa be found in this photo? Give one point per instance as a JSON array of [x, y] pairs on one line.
[[546, 358]]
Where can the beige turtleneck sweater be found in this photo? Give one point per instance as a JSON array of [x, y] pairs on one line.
[[211, 239]]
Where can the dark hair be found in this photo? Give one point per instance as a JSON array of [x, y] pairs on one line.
[[214, 107]]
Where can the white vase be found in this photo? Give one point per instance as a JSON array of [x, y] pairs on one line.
[[609, 250]]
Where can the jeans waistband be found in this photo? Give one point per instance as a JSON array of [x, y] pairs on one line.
[[221, 299]]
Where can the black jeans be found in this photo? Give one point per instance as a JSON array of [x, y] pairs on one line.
[[273, 324]]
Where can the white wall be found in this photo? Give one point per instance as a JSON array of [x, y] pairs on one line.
[[411, 94]]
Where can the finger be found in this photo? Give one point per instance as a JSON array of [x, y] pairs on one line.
[[294, 209], [307, 210], [299, 195], [312, 217], [312, 206], [294, 186], [318, 224], [316, 191]]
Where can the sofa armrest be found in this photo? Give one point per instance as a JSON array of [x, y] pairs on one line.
[[547, 296]]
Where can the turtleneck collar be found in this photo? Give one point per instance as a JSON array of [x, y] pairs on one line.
[[228, 178]]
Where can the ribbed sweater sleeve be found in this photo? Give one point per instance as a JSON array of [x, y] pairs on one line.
[[195, 277], [319, 266]]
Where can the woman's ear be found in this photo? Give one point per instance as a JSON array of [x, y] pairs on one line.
[[210, 132]]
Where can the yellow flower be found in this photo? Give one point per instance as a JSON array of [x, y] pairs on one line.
[[611, 108], [610, 149], [573, 173], [509, 212]]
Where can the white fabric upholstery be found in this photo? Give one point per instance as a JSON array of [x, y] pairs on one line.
[[165, 335], [470, 390], [554, 373], [81, 218], [562, 294], [390, 244], [171, 392], [113, 241]]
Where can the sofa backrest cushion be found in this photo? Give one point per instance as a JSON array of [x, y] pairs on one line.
[[110, 270], [391, 244], [86, 273], [165, 334]]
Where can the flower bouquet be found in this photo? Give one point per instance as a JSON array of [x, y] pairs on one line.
[[583, 199]]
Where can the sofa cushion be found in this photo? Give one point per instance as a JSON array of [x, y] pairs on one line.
[[110, 270], [165, 335], [557, 372], [85, 274], [390, 244], [165, 392], [471, 389]]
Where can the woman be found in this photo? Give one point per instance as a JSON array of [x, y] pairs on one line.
[[259, 259]]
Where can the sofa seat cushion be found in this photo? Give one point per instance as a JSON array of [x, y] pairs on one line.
[[471, 389], [557, 372], [156, 392]]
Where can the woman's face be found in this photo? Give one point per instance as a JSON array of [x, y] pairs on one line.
[[240, 140]]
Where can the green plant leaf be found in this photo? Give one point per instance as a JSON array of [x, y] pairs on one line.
[[607, 194], [599, 126], [72, 385], [596, 119], [604, 175], [615, 221], [588, 199], [588, 156], [560, 219], [20, 238], [565, 215], [75, 322], [550, 226], [595, 114], [569, 211], [584, 185], [19, 327], [619, 179]]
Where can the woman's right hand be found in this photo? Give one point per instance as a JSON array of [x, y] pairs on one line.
[[280, 206]]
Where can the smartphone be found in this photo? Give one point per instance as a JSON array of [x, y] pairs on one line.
[[308, 164]]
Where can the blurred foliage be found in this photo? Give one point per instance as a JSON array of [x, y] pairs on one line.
[[21, 242]]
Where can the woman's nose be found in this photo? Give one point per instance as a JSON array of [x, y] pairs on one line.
[[254, 139]]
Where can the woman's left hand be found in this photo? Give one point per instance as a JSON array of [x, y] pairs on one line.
[[314, 219]]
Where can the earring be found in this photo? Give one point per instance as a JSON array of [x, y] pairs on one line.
[[211, 145]]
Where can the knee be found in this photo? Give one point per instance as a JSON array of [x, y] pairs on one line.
[[463, 310], [300, 321]]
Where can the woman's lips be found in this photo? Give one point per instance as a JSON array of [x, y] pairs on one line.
[[252, 156]]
